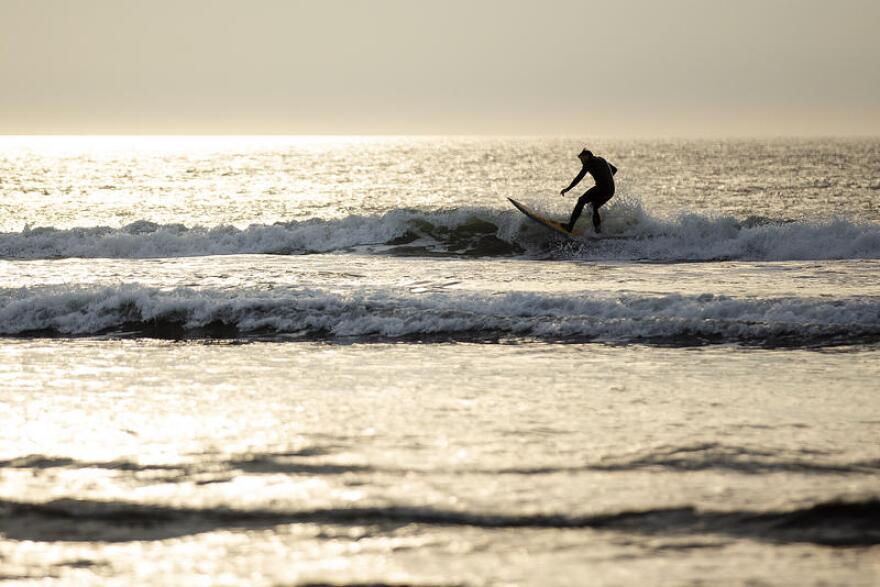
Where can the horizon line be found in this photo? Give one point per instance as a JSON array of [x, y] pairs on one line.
[[599, 136]]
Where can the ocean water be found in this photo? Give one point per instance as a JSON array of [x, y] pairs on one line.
[[349, 361]]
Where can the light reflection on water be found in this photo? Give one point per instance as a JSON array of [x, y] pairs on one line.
[[361, 459], [275, 429], [209, 181]]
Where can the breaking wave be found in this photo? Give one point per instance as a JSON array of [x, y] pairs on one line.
[[394, 314], [463, 231], [472, 232]]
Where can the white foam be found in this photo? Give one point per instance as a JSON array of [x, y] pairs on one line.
[[686, 237], [698, 237], [393, 313], [144, 239]]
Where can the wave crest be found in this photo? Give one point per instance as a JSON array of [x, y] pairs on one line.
[[638, 235], [838, 523], [395, 314]]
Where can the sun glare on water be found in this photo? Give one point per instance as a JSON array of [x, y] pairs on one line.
[[63, 145]]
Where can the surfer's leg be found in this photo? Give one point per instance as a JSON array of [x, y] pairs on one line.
[[576, 213], [598, 201], [597, 220], [579, 208]]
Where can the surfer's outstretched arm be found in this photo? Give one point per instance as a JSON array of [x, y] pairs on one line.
[[576, 180]]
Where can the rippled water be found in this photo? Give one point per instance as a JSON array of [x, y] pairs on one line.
[[350, 361]]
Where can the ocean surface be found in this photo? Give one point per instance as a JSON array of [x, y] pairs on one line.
[[350, 361]]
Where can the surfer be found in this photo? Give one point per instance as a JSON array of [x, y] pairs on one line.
[[603, 174]]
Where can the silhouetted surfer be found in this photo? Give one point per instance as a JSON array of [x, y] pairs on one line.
[[603, 174]]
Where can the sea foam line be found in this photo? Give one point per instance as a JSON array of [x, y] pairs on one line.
[[393, 314], [470, 231]]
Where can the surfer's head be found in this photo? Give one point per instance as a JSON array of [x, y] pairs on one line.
[[585, 156]]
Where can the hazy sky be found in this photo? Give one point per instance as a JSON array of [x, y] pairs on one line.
[[620, 67]]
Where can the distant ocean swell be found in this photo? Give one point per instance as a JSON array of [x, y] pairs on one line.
[[313, 460], [469, 232], [840, 524], [391, 314]]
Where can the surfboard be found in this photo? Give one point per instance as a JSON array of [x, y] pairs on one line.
[[551, 224]]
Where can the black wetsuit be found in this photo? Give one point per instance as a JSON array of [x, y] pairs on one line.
[[603, 173]]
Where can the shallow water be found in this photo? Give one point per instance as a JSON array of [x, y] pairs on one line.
[[255, 361], [442, 463]]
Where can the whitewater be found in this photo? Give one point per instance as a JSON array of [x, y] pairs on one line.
[[391, 315], [469, 232], [348, 360]]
